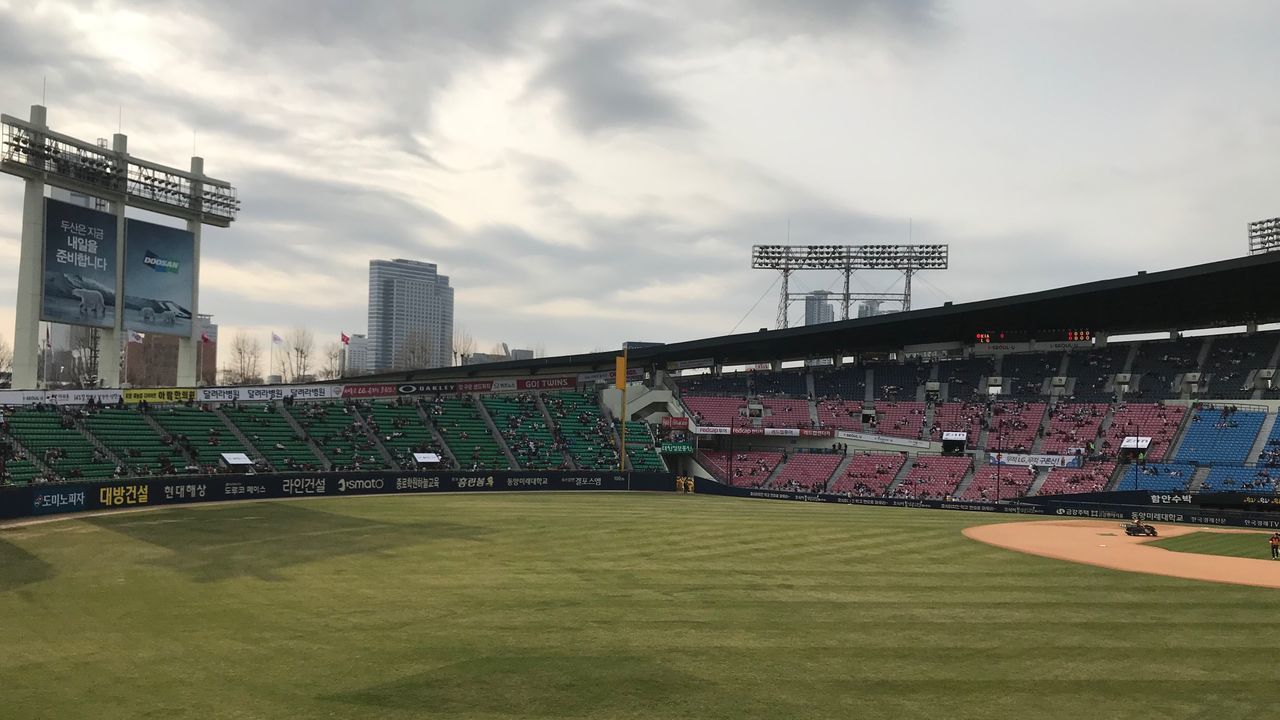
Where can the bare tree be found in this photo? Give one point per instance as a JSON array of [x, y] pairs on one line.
[[332, 368], [246, 356], [299, 345], [6, 355], [418, 351], [463, 345]]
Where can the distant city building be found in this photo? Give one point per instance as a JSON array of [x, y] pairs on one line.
[[870, 308], [818, 309], [410, 316], [513, 354], [154, 361], [357, 355]]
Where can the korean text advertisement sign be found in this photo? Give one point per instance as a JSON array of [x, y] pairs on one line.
[[79, 266], [159, 278], [154, 396]]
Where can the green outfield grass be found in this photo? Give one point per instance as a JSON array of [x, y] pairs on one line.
[[1245, 545], [602, 606]]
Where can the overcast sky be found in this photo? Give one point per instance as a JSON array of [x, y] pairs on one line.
[[593, 172]]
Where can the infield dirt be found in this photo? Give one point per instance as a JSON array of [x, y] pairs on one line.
[[1102, 543]]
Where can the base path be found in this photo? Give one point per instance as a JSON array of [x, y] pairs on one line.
[[1096, 542]]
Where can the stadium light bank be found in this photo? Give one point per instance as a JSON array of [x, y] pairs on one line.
[[40, 156]]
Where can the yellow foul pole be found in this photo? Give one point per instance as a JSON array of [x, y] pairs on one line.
[[620, 377]]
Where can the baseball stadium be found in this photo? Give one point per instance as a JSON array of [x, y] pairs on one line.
[[1054, 498], [935, 520]]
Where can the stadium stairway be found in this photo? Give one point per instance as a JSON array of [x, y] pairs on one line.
[[149, 456], [40, 431], [968, 478], [264, 428], [898, 478], [387, 458], [446, 452], [249, 448], [773, 474], [185, 455], [1042, 474], [565, 456], [840, 470], [196, 425], [1260, 442], [115, 431], [35, 467], [1197, 479], [337, 431], [494, 432], [311, 443]]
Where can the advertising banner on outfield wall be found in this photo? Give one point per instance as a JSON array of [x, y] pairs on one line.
[[368, 391], [1061, 461], [159, 278], [159, 396], [266, 393], [79, 285], [21, 397], [883, 439], [48, 499], [82, 397]]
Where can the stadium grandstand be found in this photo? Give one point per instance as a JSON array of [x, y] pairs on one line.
[[1046, 390]]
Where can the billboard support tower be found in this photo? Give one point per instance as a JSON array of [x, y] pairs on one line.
[[907, 259], [30, 150]]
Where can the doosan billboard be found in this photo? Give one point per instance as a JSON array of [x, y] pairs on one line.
[[159, 278], [79, 266]]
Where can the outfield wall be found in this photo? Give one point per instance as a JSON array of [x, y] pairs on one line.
[[61, 498], [1123, 506], [51, 499]]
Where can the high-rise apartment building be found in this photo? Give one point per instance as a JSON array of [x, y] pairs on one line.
[[410, 316], [357, 349], [818, 309]]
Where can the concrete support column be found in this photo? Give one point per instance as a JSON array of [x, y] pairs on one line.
[[26, 326], [189, 347], [111, 342]]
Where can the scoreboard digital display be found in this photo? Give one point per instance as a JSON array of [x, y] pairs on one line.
[[984, 337]]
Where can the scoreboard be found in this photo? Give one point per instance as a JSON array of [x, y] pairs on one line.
[[986, 337]]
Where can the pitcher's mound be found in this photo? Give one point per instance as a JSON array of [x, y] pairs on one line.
[[1097, 542]]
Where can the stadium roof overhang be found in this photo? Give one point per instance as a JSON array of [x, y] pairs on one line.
[[1218, 294]]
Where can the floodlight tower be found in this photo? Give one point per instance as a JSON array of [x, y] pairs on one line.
[[1264, 236], [846, 259], [40, 156]]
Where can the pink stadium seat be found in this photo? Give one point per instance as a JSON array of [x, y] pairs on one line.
[[1014, 481], [1159, 422], [1020, 421], [807, 471], [958, 417], [868, 474], [1073, 426], [786, 413], [717, 411], [750, 469], [840, 414], [933, 477], [900, 419], [1093, 477]]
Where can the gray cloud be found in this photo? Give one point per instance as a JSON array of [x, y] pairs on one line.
[[604, 83]]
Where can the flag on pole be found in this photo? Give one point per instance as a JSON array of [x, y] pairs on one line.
[[346, 340], [136, 337], [204, 337], [276, 339]]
